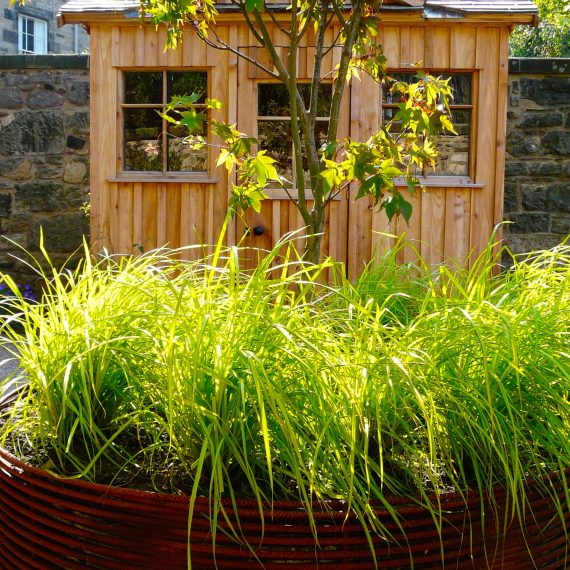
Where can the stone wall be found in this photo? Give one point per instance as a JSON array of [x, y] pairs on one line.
[[67, 39], [44, 157], [537, 181]]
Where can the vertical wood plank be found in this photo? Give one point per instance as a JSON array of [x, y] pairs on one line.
[[413, 229], [503, 87], [405, 57], [114, 219], [125, 218], [365, 118], [193, 50], [151, 47], [463, 43], [417, 47], [138, 232], [173, 215], [103, 161], [149, 221], [161, 53], [437, 47], [97, 198], [185, 229], [115, 46], [232, 117], [457, 226], [383, 234], [276, 231], [220, 87], [391, 44], [126, 47], [483, 201], [140, 43], [162, 216], [433, 225]]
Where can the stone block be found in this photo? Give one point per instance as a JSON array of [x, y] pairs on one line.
[[557, 142], [520, 244], [546, 91], [46, 196], [75, 172], [61, 233], [19, 222], [75, 143], [559, 197], [5, 205], [542, 119], [18, 79], [10, 98], [9, 240], [529, 223], [520, 145], [513, 168], [546, 168], [535, 198], [44, 99], [77, 123], [560, 224], [78, 92], [40, 132], [511, 203], [15, 168], [48, 172]]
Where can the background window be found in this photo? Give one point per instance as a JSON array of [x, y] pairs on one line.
[[32, 35], [274, 124], [150, 143], [453, 150]]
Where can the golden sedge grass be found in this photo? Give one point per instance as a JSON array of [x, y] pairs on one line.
[[206, 379]]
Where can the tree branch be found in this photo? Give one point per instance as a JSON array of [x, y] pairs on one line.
[[223, 46]]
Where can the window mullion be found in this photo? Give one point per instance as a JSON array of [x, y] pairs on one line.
[[164, 125]]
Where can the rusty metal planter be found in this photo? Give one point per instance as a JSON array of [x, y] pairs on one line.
[[50, 522]]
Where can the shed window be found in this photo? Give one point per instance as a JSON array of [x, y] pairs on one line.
[[150, 143], [454, 151], [274, 124]]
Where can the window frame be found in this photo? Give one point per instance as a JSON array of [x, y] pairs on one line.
[[448, 180], [165, 175], [23, 20]]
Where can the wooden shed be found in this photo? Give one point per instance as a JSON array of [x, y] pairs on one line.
[[147, 192]]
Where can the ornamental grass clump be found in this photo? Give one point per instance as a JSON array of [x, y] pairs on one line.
[[210, 380]]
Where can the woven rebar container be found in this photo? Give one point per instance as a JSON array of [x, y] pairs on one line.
[[50, 522]]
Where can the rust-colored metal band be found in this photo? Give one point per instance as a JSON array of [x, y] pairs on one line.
[[48, 522]]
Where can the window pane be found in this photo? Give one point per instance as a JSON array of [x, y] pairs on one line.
[[181, 157], [143, 140], [185, 83], [41, 37], [461, 88], [273, 99], [453, 150], [403, 77], [143, 87], [275, 138]]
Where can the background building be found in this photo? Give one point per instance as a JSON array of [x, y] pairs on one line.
[[32, 28]]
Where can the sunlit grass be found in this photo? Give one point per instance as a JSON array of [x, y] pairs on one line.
[[269, 384]]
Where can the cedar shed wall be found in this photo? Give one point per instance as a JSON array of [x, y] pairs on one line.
[[449, 220]]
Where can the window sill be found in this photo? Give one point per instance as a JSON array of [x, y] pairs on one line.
[[442, 182], [163, 179]]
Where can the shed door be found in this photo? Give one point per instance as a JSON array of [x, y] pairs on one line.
[[262, 112]]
